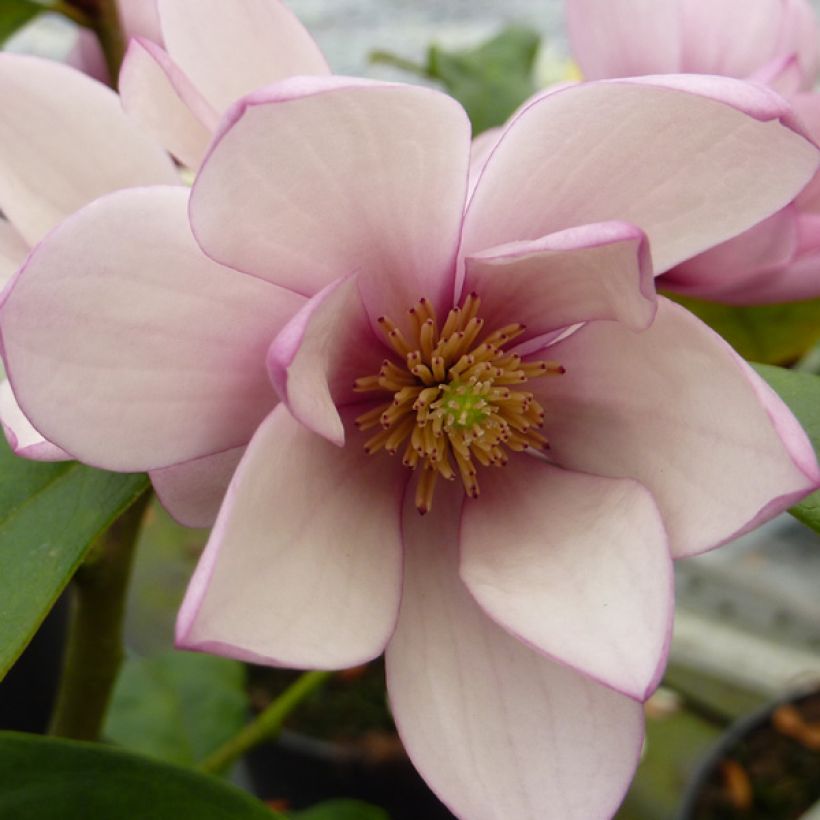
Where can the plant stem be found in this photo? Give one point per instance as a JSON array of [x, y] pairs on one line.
[[94, 649], [266, 725]]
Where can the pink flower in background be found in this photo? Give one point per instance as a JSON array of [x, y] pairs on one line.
[[64, 141], [772, 41], [180, 92], [524, 626]]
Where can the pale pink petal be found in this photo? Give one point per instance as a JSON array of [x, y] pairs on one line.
[[303, 567], [157, 94], [674, 408], [193, 491], [480, 150], [23, 439], [783, 74], [732, 265], [64, 140], [317, 356], [320, 178], [624, 38], [13, 251], [598, 271], [87, 56], [140, 18], [576, 566], [497, 730], [731, 37], [799, 33], [229, 49], [129, 348], [688, 170]]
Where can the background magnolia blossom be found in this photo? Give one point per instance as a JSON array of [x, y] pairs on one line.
[[770, 41]]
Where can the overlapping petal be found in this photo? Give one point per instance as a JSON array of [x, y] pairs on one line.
[[674, 408], [600, 271], [23, 439], [13, 251], [50, 110], [627, 150], [576, 566], [161, 97], [318, 355], [192, 492], [129, 348], [497, 730], [229, 49], [303, 567], [315, 179]]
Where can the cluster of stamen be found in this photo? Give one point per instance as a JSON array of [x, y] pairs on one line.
[[454, 400]]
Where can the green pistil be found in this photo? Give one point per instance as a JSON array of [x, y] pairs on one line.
[[464, 405]]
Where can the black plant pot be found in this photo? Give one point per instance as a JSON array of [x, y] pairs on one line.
[[765, 767], [302, 771]]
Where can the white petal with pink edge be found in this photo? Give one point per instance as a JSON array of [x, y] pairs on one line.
[[49, 110], [303, 567], [497, 730], [689, 170], [576, 566], [674, 408], [157, 94], [193, 491], [132, 350], [229, 49], [600, 271], [23, 439], [320, 178], [317, 356]]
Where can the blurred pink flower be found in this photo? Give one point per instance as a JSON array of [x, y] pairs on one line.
[[522, 627], [770, 41]]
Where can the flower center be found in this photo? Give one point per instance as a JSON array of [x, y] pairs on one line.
[[453, 403]]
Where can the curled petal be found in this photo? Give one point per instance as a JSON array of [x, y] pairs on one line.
[[497, 730], [303, 567], [598, 271], [676, 409]]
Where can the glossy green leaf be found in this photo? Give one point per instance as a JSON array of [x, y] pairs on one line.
[[178, 707], [14, 14], [490, 81], [772, 334], [801, 392], [50, 514], [49, 779], [342, 810]]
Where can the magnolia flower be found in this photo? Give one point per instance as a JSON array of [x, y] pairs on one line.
[[770, 41], [501, 365], [180, 92], [64, 141]]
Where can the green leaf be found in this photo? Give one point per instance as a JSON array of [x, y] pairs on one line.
[[49, 779], [14, 14], [50, 515], [490, 80], [178, 707], [342, 810], [801, 392], [772, 334]]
